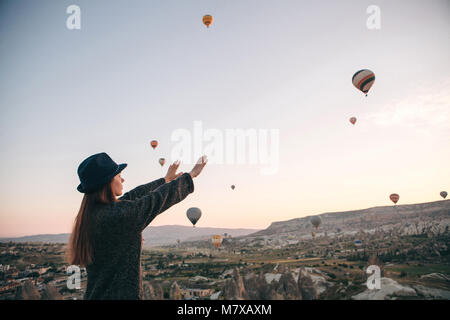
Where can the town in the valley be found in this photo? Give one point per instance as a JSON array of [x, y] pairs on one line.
[[288, 260]]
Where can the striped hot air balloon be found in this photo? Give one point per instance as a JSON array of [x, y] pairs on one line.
[[363, 80]]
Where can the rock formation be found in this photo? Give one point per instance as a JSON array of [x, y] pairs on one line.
[[28, 291], [51, 293], [306, 287], [175, 292]]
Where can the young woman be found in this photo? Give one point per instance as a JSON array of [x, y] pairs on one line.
[[107, 234]]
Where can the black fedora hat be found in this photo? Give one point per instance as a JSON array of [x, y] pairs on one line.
[[96, 171]]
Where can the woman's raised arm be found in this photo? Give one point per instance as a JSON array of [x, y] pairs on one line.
[[142, 190], [139, 213]]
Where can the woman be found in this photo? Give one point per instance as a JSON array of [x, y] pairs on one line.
[[107, 234]]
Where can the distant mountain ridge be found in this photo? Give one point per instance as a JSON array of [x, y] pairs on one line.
[[153, 236], [363, 219], [411, 218]]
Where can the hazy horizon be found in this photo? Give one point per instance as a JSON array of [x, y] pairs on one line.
[[132, 74]]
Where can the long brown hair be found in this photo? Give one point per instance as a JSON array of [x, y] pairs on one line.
[[80, 247]]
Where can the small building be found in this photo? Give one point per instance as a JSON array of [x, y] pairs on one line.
[[196, 293]]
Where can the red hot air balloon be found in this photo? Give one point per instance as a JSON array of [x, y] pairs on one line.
[[353, 120], [154, 144], [394, 198]]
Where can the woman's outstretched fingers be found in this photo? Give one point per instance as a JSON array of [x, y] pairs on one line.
[[171, 172], [198, 167]]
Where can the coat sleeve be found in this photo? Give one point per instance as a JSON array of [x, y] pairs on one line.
[[142, 190], [139, 213]]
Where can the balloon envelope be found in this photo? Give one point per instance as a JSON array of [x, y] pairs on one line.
[[217, 240], [353, 120], [316, 221], [394, 197], [232, 187], [363, 80], [207, 20], [194, 214], [162, 161], [443, 194], [154, 144]]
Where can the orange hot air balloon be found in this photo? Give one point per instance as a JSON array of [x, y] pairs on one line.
[[154, 144], [217, 240], [353, 120], [162, 161], [207, 20], [394, 198]]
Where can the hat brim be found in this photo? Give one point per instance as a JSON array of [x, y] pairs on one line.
[[106, 180]]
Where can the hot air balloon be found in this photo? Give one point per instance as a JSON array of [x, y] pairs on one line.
[[363, 80], [232, 186], [394, 198], [316, 221], [162, 161], [313, 234], [217, 240], [193, 215], [154, 144], [353, 120], [207, 20], [443, 194]]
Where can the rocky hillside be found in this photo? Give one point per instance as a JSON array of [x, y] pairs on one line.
[[409, 219]]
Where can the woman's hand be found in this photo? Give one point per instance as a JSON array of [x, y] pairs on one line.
[[198, 167], [172, 172]]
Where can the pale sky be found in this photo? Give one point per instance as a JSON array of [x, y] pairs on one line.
[[134, 73]]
